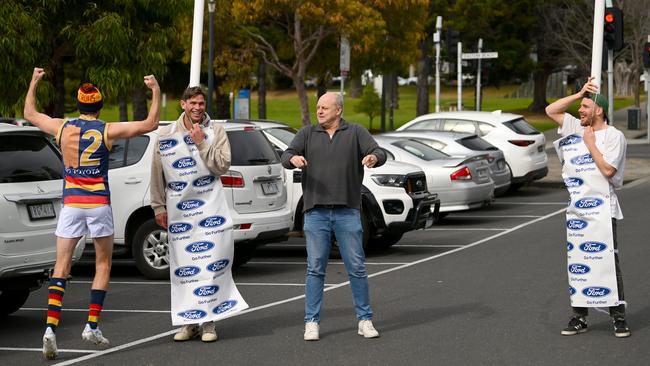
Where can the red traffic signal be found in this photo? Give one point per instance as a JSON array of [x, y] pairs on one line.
[[614, 28], [646, 55]]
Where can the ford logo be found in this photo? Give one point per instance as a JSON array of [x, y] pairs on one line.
[[192, 314], [189, 205], [206, 290], [180, 227], [570, 140], [184, 163], [576, 224], [588, 202], [212, 221], [187, 271], [582, 160], [188, 140], [204, 181], [572, 291], [573, 182], [580, 269], [218, 265], [596, 291], [569, 246], [177, 186], [199, 247], [167, 144], [593, 247], [224, 306]]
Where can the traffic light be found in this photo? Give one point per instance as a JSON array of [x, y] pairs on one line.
[[614, 28], [646, 55], [452, 37]]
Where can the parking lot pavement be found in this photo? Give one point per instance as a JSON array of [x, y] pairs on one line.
[[484, 287]]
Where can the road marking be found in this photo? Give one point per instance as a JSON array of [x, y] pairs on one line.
[[530, 203], [61, 350], [427, 246], [167, 283], [389, 270], [104, 310], [339, 263], [496, 216], [467, 229]]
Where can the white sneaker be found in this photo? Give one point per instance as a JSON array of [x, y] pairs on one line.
[[311, 331], [208, 332], [186, 333], [94, 336], [367, 330], [49, 344]]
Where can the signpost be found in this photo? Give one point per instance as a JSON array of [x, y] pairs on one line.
[[344, 60], [436, 41], [475, 56], [459, 51]]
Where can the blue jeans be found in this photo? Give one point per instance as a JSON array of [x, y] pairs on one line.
[[345, 224]]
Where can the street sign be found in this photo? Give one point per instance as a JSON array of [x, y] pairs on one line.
[[479, 55], [345, 55]]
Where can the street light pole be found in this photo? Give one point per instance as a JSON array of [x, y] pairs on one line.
[[211, 8], [478, 77], [436, 40]]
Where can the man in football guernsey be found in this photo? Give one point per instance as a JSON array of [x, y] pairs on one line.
[[85, 143]]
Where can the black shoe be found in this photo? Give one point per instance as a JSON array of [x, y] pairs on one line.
[[576, 325], [620, 328]]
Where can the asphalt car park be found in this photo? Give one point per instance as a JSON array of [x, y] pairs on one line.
[[482, 287]]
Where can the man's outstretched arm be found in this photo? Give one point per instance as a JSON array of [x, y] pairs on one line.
[[125, 130], [44, 122]]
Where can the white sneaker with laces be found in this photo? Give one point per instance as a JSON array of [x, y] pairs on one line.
[[208, 332], [94, 336], [367, 330], [49, 344], [311, 331], [186, 333]]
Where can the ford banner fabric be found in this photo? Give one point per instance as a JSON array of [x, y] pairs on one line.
[[200, 235], [590, 242]]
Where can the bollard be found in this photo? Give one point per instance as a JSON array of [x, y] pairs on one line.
[[633, 118]]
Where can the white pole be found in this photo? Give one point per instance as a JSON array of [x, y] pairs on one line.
[[597, 41], [197, 42], [647, 99], [478, 77], [342, 91], [436, 39], [460, 76], [610, 85]]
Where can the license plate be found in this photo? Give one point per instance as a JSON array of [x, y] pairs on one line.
[[482, 172], [270, 187], [41, 211]]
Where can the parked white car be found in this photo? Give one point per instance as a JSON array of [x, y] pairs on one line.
[[255, 192], [31, 185], [522, 144], [394, 196]]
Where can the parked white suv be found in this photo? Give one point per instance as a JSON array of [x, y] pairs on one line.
[[394, 196], [255, 192], [30, 201]]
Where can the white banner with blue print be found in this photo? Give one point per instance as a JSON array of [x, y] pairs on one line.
[[199, 234], [590, 243]]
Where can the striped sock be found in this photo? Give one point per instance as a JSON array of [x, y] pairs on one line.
[[96, 305], [56, 290]]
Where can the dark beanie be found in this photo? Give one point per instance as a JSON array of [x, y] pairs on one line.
[[89, 99]]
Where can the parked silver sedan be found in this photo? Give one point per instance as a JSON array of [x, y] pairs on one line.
[[462, 183], [465, 145]]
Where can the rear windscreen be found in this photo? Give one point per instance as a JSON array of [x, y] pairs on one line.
[[250, 147], [521, 126], [476, 143], [28, 159], [284, 134]]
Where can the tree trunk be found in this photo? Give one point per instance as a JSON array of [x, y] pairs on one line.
[[422, 88], [56, 108], [221, 101], [124, 109], [299, 82], [139, 104], [355, 86], [539, 103], [261, 90], [394, 93]]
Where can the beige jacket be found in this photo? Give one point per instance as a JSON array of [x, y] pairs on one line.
[[216, 157]]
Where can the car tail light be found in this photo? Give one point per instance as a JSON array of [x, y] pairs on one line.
[[490, 158], [232, 180], [242, 226], [522, 143], [461, 174], [249, 129]]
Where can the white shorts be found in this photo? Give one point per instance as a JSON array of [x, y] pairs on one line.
[[76, 222]]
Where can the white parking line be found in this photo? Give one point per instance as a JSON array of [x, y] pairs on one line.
[[339, 263], [496, 216], [104, 310], [167, 283], [530, 203], [389, 270], [467, 229], [427, 246], [61, 350]]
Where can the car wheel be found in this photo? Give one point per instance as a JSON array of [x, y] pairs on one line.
[[387, 240], [243, 253], [151, 251], [12, 300]]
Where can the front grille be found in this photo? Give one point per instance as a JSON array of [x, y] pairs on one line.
[[416, 183]]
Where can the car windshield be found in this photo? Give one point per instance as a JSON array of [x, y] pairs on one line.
[[250, 147], [521, 126], [28, 159], [476, 143], [420, 149], [284, 134]]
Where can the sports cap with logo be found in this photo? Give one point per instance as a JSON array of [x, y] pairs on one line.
[[89, 99]]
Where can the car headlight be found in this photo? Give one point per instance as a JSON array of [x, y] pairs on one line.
[[389, 180]]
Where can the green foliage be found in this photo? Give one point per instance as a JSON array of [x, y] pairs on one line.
[[370, 104]]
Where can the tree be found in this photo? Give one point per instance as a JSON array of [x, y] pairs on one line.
[[370, 104], [288, 33]]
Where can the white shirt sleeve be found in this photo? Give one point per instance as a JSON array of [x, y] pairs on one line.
[[570, 125], [614, 154]]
